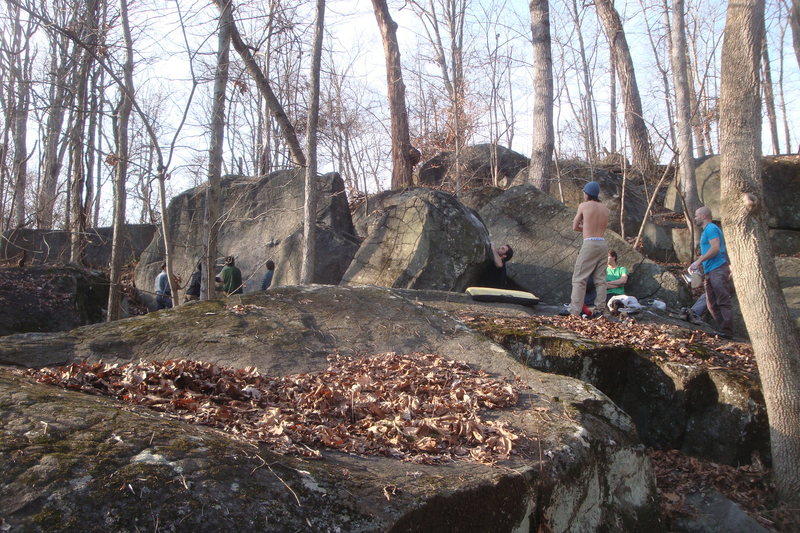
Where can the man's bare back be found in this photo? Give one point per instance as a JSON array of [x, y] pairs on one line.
[[591, 219]]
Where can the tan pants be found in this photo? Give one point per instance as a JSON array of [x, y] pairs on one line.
[[592, 261]]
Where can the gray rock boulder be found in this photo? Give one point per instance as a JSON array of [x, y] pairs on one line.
[[334, 252], [53, 246], [656, 236], [82, 460], [715, 414], [789, 272], [259, 215], [780, 176], [50, 298], [545, 248], [421, 239], [475, 164], [711, 512]]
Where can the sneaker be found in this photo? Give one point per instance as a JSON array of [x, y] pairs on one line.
[[722, 335], [564, 312], [693, 318]]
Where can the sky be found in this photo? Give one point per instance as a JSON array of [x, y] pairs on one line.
[[162, 64]]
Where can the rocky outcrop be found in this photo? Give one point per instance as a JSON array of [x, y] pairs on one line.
[[49, 298], [545, 248], [53, 246], [475, 167], [421, 239], [780, 176], [715, 414], [629, 207], [81, 459], [259, 215]]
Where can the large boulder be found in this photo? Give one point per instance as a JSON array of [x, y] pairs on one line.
[[475, 165], [716, 414], [780, 176], [789, 272], [50, 298], [259, 215], [80, 459], [53, 246], [421, 239], [539, 228], [628, 208]]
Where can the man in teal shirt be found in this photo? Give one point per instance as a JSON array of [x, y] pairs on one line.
[[717, 282]]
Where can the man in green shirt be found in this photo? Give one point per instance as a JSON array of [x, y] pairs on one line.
[[616, 276], [231, 277]]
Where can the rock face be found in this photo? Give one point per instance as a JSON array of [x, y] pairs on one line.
[[42, 298], [52, 246], [715, 414], [781, 180], [475, 164], [421, 239], [539, 228], [261, 214], [657, 234], [82, 460]]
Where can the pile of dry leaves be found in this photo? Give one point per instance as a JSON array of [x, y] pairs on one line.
[[416, 407], [679, 475], [665, 341]]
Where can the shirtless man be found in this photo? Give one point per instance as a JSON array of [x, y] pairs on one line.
[[591, 220]]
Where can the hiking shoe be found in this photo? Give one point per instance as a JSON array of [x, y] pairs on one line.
[[722, 335], [564, 312], [693, 318]]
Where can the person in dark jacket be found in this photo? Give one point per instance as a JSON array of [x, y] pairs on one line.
[[193, 289], [266, 281], [496, 270]]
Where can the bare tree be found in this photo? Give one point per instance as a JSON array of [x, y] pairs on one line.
[[774, 337], [634, 119], [77, 132], [60, 65], [404, 156], [121, 122], [450, 60], [543, 135], [310, 204], [264, 87], [769, 98], [683, 112], [18, 62], [213, 191], [794, 19]]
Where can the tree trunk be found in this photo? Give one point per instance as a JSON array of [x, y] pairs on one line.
[[696, 110], [19, 61], [794, 20], [45, 206], [213, 192], [772, 332], [769, 99], [587, 99], [634, 118], [310, 204], [612, 103], [288, 131], [404, 156], [121, 169], [687, 180], [76, 142], [543, 135]]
